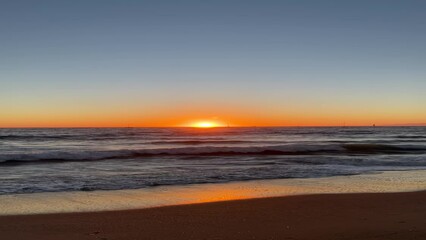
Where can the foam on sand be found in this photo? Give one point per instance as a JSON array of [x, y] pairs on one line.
[[37, 203]]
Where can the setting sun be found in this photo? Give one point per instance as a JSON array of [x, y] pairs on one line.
[[205, 125]]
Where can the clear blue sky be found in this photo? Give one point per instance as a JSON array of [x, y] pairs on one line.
[[280, 62]]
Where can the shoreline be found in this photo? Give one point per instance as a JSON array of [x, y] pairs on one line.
[[116, 200], [351, 216]]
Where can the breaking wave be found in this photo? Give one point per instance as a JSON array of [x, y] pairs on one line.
[[294, 149]]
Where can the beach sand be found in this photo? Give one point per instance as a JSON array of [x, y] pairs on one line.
[[386, 205], [323, 216]]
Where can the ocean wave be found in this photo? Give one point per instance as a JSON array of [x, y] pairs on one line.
[[57, 137], [194, 142], [32, 137], [383, 148], [291, 149], [410, 136]]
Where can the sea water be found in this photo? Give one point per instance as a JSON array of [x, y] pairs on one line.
[[87, 159]]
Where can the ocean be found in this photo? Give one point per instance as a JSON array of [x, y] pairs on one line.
[[88, 159]]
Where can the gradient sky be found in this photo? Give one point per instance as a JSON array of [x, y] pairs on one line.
[[167, 63]]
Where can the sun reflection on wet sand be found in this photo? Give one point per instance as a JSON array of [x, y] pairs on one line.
[[200, 193]]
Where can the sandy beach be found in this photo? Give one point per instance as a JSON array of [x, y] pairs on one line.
[[325, 216], [387, 205]]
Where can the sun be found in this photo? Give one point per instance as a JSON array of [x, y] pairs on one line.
[[205, 124]]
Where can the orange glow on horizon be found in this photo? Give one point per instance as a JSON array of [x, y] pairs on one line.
[[205, 116]]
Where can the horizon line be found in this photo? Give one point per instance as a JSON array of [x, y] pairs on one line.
[[254, 126]]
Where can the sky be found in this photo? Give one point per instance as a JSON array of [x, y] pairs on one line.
[[103, 63]]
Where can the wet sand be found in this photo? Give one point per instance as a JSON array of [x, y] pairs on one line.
[[99, 201], [322, 216]]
